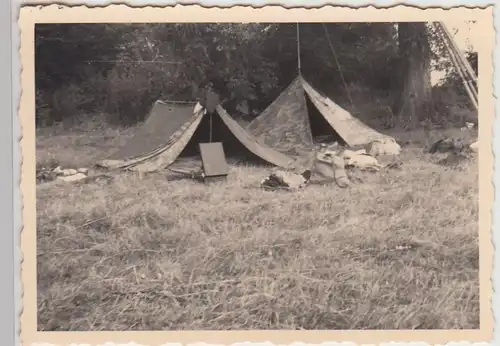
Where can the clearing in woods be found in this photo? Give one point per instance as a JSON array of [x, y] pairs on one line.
[[397, 251]]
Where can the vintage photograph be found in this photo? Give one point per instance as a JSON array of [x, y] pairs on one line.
[[257, 176]]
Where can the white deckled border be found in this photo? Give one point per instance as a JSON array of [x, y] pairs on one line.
[[259, 3]]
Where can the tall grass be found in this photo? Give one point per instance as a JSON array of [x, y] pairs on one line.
[[397, 251]]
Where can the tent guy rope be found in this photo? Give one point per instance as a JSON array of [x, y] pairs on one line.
[[334, 56], [338, 65]]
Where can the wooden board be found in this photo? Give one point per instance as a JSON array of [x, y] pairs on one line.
[[213, 159]]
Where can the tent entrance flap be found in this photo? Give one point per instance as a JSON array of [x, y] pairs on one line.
[[163, 121], [251, 143], [170, 153], [238, 143], [350, 129], [321, 129]]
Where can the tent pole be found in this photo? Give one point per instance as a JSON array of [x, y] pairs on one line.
[[210, 134], [298, 50], [468, 89], [462, 72], [464, 62]]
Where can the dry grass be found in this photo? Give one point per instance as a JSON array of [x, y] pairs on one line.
[[149, 254]]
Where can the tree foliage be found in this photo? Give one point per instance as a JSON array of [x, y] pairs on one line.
[[117, 70]]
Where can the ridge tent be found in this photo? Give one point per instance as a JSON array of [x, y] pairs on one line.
[[175, 129], [299, 114]]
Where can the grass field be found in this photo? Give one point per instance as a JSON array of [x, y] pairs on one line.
[[397, 251]]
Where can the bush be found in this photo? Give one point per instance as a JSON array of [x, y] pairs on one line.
[[451, 107]]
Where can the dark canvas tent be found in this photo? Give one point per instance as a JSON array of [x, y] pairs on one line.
[[299, 114], [175, 129]]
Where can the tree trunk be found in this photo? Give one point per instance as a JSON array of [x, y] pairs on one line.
[[413, 103]]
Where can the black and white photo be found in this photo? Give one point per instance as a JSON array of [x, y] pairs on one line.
[[260, 175]]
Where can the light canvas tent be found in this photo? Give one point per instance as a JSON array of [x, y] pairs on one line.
[[299, 114], [175, 129]]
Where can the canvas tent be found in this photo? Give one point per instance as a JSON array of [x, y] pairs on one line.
[[299, 114], [175, 129]]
